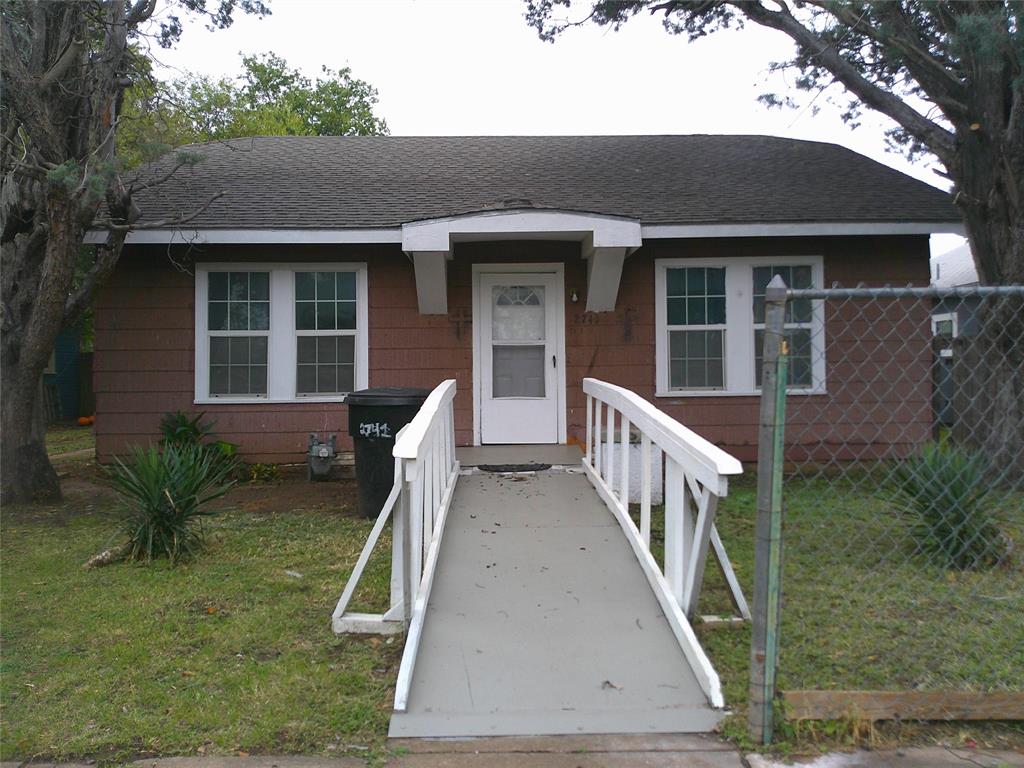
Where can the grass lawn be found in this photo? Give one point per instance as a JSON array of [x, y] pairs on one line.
[[67, 436], [232, 654], [860, 611], [228, 654]]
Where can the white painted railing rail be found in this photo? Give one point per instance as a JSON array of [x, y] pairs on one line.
[[426, 471], [696, 477]]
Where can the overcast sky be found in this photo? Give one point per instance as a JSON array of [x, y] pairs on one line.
[[473, 67]]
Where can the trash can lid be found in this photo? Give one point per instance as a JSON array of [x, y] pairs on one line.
[[383, 396]]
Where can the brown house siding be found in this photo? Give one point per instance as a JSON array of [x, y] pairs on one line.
[[145, 343]]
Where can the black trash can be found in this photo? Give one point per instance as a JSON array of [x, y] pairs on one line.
[[374, 417]]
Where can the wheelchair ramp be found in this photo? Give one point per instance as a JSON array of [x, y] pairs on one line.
[[541, 621]]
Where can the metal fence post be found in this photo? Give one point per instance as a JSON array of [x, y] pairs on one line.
[[764, 645]]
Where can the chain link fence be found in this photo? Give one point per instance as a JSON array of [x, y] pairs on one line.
[[901, 471]]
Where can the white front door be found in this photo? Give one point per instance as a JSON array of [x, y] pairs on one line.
[[519, 325]]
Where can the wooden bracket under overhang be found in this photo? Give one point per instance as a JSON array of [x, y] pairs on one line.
[[431, 281], [604, 273]]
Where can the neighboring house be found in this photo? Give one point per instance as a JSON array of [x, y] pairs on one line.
[[951, 318], [954, 269], [61, 377], [516, 265]]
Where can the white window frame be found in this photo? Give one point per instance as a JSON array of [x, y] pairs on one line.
[[740, 376], [282, 344]]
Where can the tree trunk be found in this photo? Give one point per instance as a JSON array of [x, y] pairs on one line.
[[988, 381], [39, 265], [988, 174], [27, 473]]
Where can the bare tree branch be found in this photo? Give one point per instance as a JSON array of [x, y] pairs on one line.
[[140, 12], [60, 66], [164, 223], [934, 136]]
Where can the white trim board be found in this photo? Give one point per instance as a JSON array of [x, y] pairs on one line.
[[801, 229], [281, 345], [556, 268], [457, 228], [186, 236], [438, 234]]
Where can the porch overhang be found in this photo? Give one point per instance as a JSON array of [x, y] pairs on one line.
[[605, 241]]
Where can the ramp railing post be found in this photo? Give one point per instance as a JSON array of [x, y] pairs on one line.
[[403, 523], [398, 546], [764, 644]]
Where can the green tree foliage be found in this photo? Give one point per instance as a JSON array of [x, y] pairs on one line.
[[64, 71], [268, 98], [948, 73]]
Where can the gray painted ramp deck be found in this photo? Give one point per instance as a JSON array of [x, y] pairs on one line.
[[542, 622]]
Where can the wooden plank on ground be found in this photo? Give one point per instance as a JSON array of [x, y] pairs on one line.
[[904, 705]]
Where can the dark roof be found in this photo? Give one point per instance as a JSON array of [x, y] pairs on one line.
[[333, 182]]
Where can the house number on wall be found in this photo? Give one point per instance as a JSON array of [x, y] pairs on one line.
[[374, 429]]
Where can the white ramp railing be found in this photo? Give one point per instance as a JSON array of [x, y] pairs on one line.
[[426, 471], [696, 477]]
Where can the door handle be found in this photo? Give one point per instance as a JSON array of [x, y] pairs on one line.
[[554, 362]]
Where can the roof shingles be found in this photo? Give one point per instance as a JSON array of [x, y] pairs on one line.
[[333, 182]]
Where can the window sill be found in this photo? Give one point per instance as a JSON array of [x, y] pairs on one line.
[[733, 393], [267, 400]]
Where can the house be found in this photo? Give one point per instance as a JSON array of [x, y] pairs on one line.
[[952, 317], [515, 265], [953, 269]]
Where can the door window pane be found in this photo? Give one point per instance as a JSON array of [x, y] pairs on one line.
[[518, 371], [518, 313]]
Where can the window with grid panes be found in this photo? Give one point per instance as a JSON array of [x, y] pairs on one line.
[[696, 326], [325, 328], [710, 324], [238, 324], [799, 321]]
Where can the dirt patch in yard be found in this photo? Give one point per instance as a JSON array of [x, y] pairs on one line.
[[292, 493], [86, 488]]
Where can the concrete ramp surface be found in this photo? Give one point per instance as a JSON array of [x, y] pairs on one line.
[[541, 621]]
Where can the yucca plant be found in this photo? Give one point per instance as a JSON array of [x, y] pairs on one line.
[[166, 492], [945, 493], [178, 428]]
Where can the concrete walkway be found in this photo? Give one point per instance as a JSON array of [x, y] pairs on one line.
[[589, 752], [542, 622]]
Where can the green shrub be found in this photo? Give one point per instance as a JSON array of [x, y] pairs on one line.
[[165, 493], [178, 428], [264, 473], [945, 493]]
